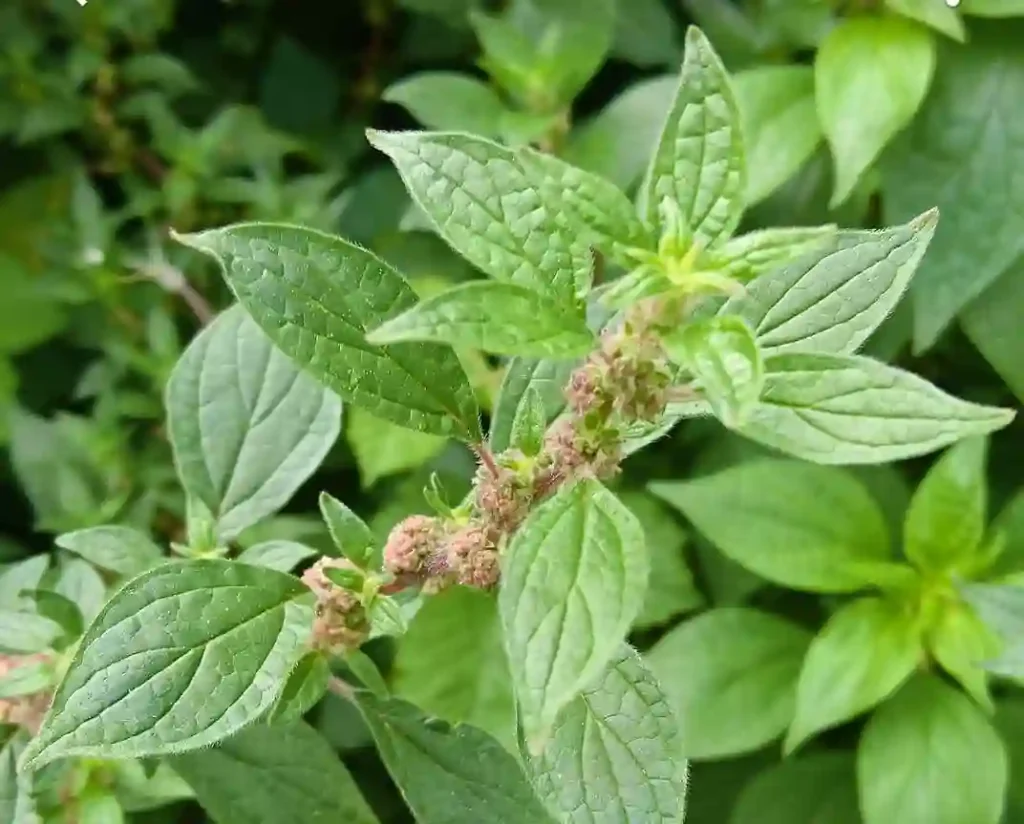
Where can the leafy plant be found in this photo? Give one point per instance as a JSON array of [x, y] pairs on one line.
[[664, 480], [759, 331]]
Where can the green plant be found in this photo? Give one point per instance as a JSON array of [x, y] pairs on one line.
[[659, 313]]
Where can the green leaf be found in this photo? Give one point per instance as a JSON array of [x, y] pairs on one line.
[[348, 531], [816, 789], [671, 589], [955, 155], [529, 424], [837, 409], [615, 753], [119, 549], [833, 298], [306, 685], [139, 788], [1009, 721], [871, 75], [62, 611], [699, 161], [26, 678], [460, 628], [796, 524], [1001, 607], [991, 321], [486, 201], [598, 209], [573, 582], [316, 295], [960, 642], [283, 556], [17, 804], [946, 520], [867, 649], [722, 356], [929, 756], [247, 426], [617, 142], [730, 675], [756, 253], [281, 774], [645, 35], [382, 448], [780, 125], [994, 8], [449, 776], [940, 16], [148, 677], [449, 100], [503, 318], [27, 632], [547, 378], [20, 576]]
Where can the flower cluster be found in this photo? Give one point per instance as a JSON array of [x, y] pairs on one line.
[[341, 621]]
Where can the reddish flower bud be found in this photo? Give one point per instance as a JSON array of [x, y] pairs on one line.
[[410, 544], [502, 499], [473, 557], [341, 621]]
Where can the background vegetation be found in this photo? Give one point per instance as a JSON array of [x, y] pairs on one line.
[[125, 118]]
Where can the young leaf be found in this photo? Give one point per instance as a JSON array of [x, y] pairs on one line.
[[547, 378], [836, 409], [306, 685], [961, 643], [671, 589], [529, 424], [315, 295], [818, 788], [247, 426], [20, 576], [119, 549], [780, 125], [382, 449], [283, 556], [449, 100], [730, 675], [615, 752], [503, 318], [487, 203], [573, 582], [797, 524], [449, 776], [280, 774], [699, 162], [833, 298], [459, 627], [954, 155], [865, 651], [348, 531], [722, 356], [148, 677], [946, 520], [871, 75], [756, 253], [929, 756]]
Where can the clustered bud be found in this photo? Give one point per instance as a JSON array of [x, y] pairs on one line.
[[410, 545], [627, 376], [573, 451], [473, 556], [503, 498], [341, 621], [25, 711]]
